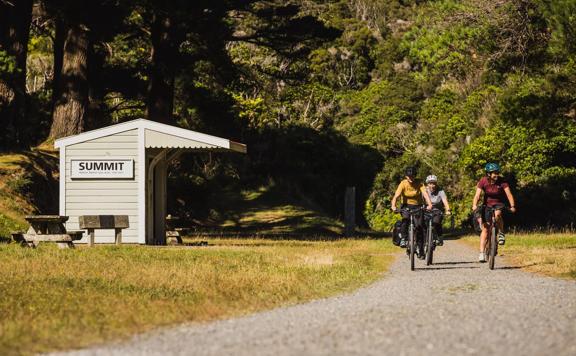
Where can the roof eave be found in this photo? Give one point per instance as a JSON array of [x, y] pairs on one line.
[[150, 125], [238, 147]]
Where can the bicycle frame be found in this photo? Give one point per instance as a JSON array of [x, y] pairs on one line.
[[491, 246], [412, 238], [429, 245]]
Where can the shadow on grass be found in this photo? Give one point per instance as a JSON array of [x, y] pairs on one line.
[[516, 267], [246, 235], [311, 234], [257, 244]]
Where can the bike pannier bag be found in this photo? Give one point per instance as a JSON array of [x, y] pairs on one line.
[[397, 233]]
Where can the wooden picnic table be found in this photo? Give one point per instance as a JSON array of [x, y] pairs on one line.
[[46, 224], [48, 228]]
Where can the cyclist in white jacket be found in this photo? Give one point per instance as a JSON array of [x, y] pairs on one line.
[[439, 201]]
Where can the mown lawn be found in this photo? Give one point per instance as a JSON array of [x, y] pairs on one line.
[[53, 299], [549, 254]]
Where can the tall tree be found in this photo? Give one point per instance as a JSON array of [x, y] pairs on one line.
[[171, 24], [160, 98], [72, 89], [80, 26], [15, 18], [58, 54], [184, 32]]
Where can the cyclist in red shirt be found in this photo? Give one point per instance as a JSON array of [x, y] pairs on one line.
[[496, 192]]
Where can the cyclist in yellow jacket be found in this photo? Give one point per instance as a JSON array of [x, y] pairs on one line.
[[413, 194]]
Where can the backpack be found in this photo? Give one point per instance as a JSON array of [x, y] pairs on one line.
[[397, 233]]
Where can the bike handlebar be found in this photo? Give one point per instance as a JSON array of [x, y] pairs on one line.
[[434, 211], [409, 210]]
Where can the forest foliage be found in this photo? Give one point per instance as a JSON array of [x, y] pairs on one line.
[[326, 94]]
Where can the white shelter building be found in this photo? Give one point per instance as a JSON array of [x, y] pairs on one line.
[[121, 170]]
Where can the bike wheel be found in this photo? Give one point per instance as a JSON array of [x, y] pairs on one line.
[[412, 243], [487, 247], [493, 247], [429, 245]]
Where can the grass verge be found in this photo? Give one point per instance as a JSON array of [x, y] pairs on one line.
[[549, 254], [28, 184], [269, 209], [55, 299]]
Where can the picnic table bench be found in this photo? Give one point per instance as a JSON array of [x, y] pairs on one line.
[[47, 228], [93, 222], [173, 236]]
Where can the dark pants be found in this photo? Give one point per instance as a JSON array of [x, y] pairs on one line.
[[418, 220], [436, 220], [437, 224]]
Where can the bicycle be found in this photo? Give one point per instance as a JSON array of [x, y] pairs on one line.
[[491, 247], [429, 244], [412, 238]]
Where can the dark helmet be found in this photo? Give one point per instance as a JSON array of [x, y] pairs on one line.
[[410, 172], [492, 167]]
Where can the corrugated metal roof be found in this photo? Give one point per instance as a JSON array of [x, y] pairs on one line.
[[155, 139], [157, 135]]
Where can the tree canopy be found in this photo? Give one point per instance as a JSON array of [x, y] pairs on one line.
[[327, 94]]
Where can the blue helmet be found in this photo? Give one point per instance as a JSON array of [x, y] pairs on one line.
[[492, 167]]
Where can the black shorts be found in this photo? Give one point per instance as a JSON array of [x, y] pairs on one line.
[[485, 213]]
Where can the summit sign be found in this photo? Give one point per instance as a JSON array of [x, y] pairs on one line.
[[96, 168]]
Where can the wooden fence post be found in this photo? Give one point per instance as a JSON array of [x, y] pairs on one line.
[[350, 211]]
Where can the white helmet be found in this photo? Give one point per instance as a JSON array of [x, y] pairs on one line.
[[431, 178]]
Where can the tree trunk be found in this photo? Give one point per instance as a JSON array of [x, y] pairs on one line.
[[96, 116], [160, 101], [72, 98], [58, 53], [15, 18]]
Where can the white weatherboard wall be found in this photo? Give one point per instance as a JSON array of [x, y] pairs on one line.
[[104, 196], [151, 146]]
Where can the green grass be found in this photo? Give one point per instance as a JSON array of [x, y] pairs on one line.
[[549, 254], [268, 209], [12, 161], [55, 299], [8, 225], [24, 176]]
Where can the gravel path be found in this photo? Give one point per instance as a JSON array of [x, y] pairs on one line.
[[454, 307]]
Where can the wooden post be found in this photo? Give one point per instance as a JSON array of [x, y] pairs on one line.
[[91, 237], [118, 236], [350, 211]]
